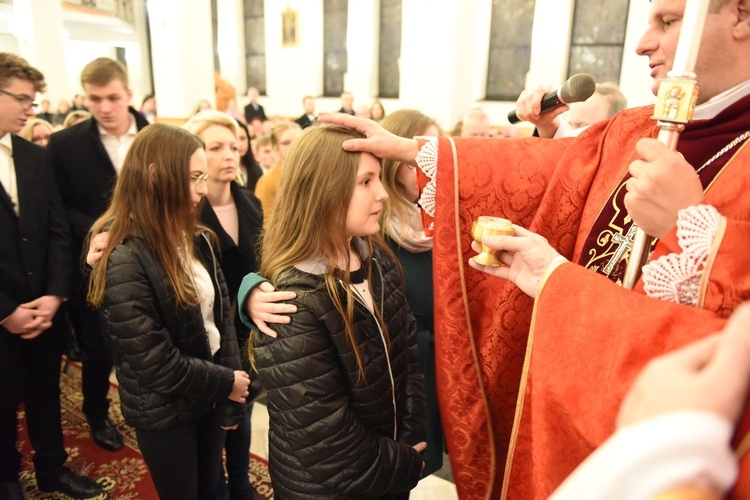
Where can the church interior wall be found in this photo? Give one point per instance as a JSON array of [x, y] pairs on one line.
[[295, 71], [443, 64]]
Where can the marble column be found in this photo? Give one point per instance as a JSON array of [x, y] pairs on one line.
[[439, 57], [182, 55], [362, 45], [38, 26]]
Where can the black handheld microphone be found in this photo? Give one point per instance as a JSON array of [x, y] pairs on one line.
[[578, 88]]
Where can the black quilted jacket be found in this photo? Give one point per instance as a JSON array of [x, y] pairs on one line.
[[330, 435], [161, 353]]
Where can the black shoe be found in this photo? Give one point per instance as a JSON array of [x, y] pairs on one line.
[[105, 435], [11, 490], [70, 484]]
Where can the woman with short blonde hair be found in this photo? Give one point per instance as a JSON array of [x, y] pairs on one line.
[[37, 131]]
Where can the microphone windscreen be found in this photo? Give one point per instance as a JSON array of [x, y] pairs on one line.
[[578, 88]]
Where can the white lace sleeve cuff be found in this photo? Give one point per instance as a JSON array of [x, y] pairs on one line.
[[677, 277], [427, 161]]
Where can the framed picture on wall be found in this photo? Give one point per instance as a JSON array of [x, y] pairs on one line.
[[289, 20]]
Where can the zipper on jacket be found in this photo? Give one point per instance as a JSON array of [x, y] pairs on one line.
[[382, 338]]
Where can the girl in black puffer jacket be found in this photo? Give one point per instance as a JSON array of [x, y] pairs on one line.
[[175, 350], [345, 396]]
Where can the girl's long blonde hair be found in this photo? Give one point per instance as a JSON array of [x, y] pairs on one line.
[[403, 123], [308, 220], [152, 200]]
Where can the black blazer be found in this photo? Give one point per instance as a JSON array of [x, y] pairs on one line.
[[35, 257], [237, 260], [85, 173], [251, 113], [303, 121], [254, 172]]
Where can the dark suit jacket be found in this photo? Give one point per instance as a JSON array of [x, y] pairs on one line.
[[254, 172], [251, 113], [303, 121], [238, 259], [48, 117], [35, 258], [350, 112], [85, 173]]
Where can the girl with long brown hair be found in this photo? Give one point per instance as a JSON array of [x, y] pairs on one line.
[[401, 227], [236, 217], [345, 395], [165, 299]]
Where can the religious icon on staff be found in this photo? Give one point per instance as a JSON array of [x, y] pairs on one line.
[[676, 100], [672, 103]]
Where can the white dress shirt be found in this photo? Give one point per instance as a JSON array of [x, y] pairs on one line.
[[8, 171], [117, 147]]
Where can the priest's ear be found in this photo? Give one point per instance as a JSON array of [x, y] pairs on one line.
[[741, 29]]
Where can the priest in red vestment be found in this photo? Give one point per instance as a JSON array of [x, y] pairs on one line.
[[531, 376]]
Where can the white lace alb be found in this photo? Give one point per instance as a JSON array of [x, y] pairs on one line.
[[677, 277], [427, 161]]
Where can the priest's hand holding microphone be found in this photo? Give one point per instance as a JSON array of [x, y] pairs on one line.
[[543, 105]]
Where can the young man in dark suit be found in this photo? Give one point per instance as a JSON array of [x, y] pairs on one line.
[[86, 159], [308, 117], [43, 112], [35, 262], [254, 110], [347, 103]]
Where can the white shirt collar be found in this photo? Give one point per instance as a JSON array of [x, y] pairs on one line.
[[132, 130], [7, 141], [720, 102]]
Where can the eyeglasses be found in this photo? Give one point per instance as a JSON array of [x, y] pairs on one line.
[[25, 101], [199, 179]]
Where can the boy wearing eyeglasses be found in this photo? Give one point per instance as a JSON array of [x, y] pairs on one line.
[[35, 262]]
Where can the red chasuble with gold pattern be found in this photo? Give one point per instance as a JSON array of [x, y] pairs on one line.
[[528, 389]]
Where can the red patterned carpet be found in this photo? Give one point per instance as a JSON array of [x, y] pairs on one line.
[[123, 474]]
